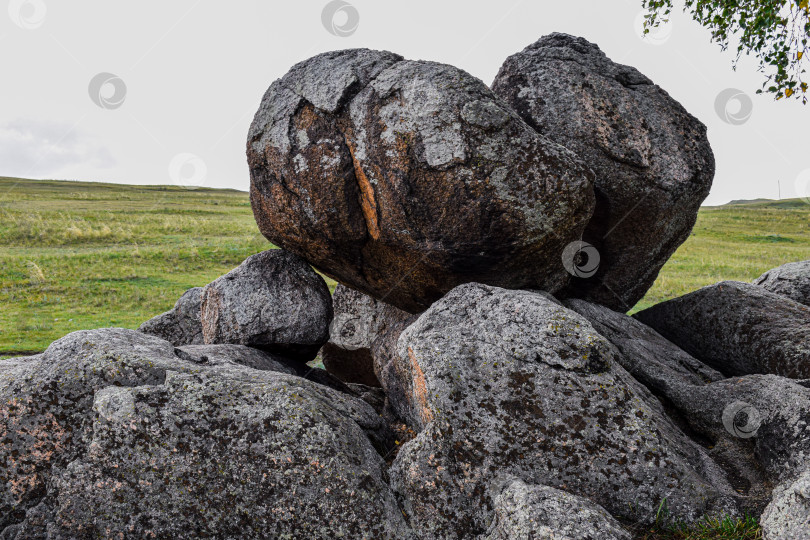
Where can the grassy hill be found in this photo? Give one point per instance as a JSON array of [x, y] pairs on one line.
[[79, 255]]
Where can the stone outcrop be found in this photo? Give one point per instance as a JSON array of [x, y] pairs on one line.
[[508, 383], [112, 431]]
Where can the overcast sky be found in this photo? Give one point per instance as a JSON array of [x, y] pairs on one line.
[[175, 84]]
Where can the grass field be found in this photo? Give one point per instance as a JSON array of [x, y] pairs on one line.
[[85, 255]]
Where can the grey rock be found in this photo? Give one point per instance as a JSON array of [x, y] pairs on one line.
[[757, 426], [111, 431], [645, 354], [788, 515], [227, 354], [273, 301], [388, 371], [652, 159], [357, 322], [791, 280], [181, 325], [766, 417], [11, 363], [738, 329], [532, 512], [508, 383], [402, 179]]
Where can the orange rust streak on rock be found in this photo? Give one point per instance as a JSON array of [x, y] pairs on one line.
[[368, 202], [420, 388]]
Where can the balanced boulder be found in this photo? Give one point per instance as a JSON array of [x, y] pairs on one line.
[[652, 160], [509, 384], [403, 179], [791, 280], [181, 325], [112, 431], [357, 322], [738, 329], [273, 301]]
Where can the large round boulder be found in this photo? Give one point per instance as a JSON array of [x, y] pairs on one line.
[[652, 160], [403, 179]]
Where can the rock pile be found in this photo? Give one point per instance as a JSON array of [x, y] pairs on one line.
[[482, 379]]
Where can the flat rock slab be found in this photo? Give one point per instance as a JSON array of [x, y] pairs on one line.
[[403, 179], [503, 383], [652, 159], [791, 280], [274, 301], [738, 329]]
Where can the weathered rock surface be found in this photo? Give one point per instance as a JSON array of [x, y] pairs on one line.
[[111, 431], [791, 280], [645, 354], [214, 355], [507, 383], [391, 374], [738, 329], [788, 515], [181, 325], [358, 320], [405, 178], [652, 160], [530, 512], [766, 416], [273, 301], [757, 426]]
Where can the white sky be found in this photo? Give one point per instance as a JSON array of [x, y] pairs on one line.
[[195, 71]]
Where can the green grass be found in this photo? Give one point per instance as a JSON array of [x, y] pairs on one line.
[[734, 242], [727, 528], [85, 255]]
